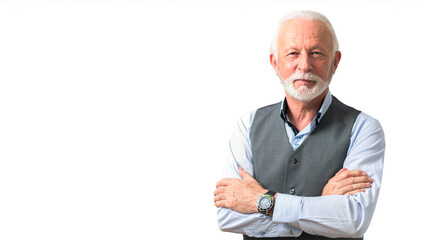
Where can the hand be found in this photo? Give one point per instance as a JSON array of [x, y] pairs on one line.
[[347, 182], [238, 194]]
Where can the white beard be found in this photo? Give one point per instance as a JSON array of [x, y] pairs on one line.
[[303, 93]]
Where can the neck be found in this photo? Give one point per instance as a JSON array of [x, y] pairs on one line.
[[299, 113]]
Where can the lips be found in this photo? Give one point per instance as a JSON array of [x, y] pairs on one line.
[[305, 80]]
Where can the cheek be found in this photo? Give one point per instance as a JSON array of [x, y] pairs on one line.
[[323, 70], [287, 69]]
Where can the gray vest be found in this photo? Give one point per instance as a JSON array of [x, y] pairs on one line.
[[306, 171]]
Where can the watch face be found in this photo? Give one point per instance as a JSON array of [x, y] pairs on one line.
[[265, 203]]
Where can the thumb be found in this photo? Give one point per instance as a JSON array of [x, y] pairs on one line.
[[341, 170], [244, 174]]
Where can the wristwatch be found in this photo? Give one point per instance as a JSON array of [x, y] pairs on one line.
[[265, 202]]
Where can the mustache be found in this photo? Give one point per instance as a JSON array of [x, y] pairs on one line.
[[306, 76]]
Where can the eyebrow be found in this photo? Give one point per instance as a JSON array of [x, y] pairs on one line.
[[317, 46]]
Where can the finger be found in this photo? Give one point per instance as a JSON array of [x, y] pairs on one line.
[[342, 174], [363, 179], [219, 190], [355, 180], [356, 173], [341, 170], [349, 173], [220, 203], [353, 187], [225, 182], [219, 197], [216, 192], [361, 185], [355, 192], [244, 174]]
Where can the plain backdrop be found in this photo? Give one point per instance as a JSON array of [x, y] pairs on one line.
[[115, 115]]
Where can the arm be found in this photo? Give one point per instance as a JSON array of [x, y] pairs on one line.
[[240, 155], [291, 213], [337, 215]]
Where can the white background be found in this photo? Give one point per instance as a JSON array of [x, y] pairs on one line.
[[115, 115]]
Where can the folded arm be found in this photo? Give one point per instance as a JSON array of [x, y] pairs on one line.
[[337, 215], [332, 216]]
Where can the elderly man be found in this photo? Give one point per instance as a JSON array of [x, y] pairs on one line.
[[307, 167]]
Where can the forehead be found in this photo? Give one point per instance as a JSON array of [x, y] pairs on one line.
[[304, 32]]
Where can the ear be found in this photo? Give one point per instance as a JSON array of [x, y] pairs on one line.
[[273, 61], [337, 57]]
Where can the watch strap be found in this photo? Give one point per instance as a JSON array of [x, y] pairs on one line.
[[271, 193]]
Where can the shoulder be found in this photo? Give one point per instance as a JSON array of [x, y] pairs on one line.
[[367, 129], [247, 119], [264, 113], [362, 119], [343, 107], [269, 108], [367, 122]]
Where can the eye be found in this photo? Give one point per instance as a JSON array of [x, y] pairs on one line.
[[318, 55], [292, 54]]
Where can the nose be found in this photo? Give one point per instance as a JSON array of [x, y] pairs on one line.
[[304, 64]]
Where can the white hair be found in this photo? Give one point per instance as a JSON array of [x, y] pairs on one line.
[[310, 15]]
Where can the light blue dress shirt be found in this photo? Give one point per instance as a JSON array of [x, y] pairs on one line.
[[331, 216]]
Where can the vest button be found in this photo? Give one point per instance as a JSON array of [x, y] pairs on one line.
[[294, 160], [292, 191]]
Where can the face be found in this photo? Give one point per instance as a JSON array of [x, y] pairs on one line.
[[305, 60]]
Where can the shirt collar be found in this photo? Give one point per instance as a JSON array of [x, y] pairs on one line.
[[323, 109]]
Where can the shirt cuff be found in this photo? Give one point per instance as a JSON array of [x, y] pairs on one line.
[[286, 208]]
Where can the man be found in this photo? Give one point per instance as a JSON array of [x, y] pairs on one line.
[[307, 167]]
